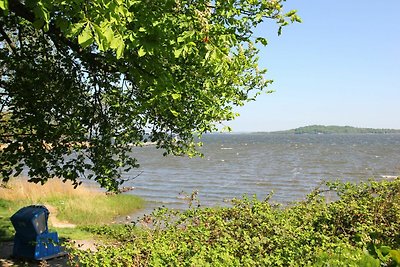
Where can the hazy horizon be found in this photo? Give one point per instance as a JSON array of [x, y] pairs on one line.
[[288, 129]]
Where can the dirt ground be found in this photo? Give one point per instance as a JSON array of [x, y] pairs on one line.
[[7, 260]]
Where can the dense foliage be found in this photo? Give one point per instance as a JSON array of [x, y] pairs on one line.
[[82, 81], [360, 228]]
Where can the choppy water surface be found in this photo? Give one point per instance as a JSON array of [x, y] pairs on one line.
[[237, 164]]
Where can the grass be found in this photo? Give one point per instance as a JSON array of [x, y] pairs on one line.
[[94, 209], [85, 205], [6, 229]]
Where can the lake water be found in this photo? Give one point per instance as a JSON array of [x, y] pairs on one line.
[[237, 164]]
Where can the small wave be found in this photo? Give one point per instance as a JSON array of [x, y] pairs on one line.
[[226, 148], [389, 176]]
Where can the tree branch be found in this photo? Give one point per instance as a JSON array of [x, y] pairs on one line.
[[3, 85], [8, 40]]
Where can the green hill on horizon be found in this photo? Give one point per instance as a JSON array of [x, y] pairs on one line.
[[321, 129]]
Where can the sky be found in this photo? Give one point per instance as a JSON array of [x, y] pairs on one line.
[[340, 66]]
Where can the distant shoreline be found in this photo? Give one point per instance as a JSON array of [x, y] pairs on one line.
[[321, 129]]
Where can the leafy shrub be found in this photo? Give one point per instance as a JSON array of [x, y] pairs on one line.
[[251, 232]]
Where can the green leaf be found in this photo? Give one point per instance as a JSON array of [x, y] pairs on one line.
[[62, 24], [141, 52], [120, 50], [109, 34], [176, 96], [4, 4], [385, 250], [259, 17], [85, 38], [291, 13], [75, 29], [280, 30], [395, 255], [174, 112], [42, 17], [100, 38], [368, 260], [380, 253], [180, 39], [226, 129], [116, 42], [262, 40], [155, 23], [178, 52], [38, 24]]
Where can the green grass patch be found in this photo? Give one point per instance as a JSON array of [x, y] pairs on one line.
[[95, 210], [77, 233], [81, 207], [6, 228]]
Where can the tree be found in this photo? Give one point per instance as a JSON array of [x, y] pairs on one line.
[[81, 81]]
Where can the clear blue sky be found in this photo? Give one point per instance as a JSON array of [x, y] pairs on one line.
[[341, 66]]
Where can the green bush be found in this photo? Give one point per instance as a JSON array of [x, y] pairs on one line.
[[360, 228]]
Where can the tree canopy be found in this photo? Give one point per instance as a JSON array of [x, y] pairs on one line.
[[82, 81]]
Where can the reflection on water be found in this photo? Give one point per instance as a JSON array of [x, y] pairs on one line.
[[237, 164]]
